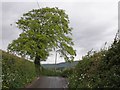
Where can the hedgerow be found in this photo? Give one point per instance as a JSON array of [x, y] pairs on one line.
[[99, 70], [16, 72]]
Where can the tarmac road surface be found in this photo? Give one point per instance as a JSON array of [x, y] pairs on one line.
[[49, 82]]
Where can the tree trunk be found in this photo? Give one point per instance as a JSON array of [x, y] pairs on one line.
[[37, 65], [37, 60]]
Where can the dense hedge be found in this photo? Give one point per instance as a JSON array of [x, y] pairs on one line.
[[99, 70], [16, 72]]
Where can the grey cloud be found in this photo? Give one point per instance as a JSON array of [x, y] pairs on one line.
[[93, 23]]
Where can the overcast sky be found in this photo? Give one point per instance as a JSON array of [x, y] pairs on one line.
[[93, 23]]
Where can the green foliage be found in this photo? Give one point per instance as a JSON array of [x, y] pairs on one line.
[[44, 30], [99, 70], [51, 72], [16, 72], [67, 72], [111, 66]]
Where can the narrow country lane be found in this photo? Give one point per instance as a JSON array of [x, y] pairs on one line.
[[49, 82]]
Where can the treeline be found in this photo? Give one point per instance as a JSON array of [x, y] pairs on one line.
[[98, 70]]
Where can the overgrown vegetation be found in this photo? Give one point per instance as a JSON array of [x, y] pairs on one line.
[[96, 70], [19, 72], [99, 70], [16, 72], [66, 72]]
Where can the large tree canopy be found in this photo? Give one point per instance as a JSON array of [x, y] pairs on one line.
[[43, 30]]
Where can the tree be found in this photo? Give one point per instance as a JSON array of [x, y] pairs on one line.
[[43, 30]]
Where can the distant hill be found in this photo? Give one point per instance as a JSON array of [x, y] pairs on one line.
[[61, 65]]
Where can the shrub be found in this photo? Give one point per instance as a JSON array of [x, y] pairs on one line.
[[67, 72], [100, 70]]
